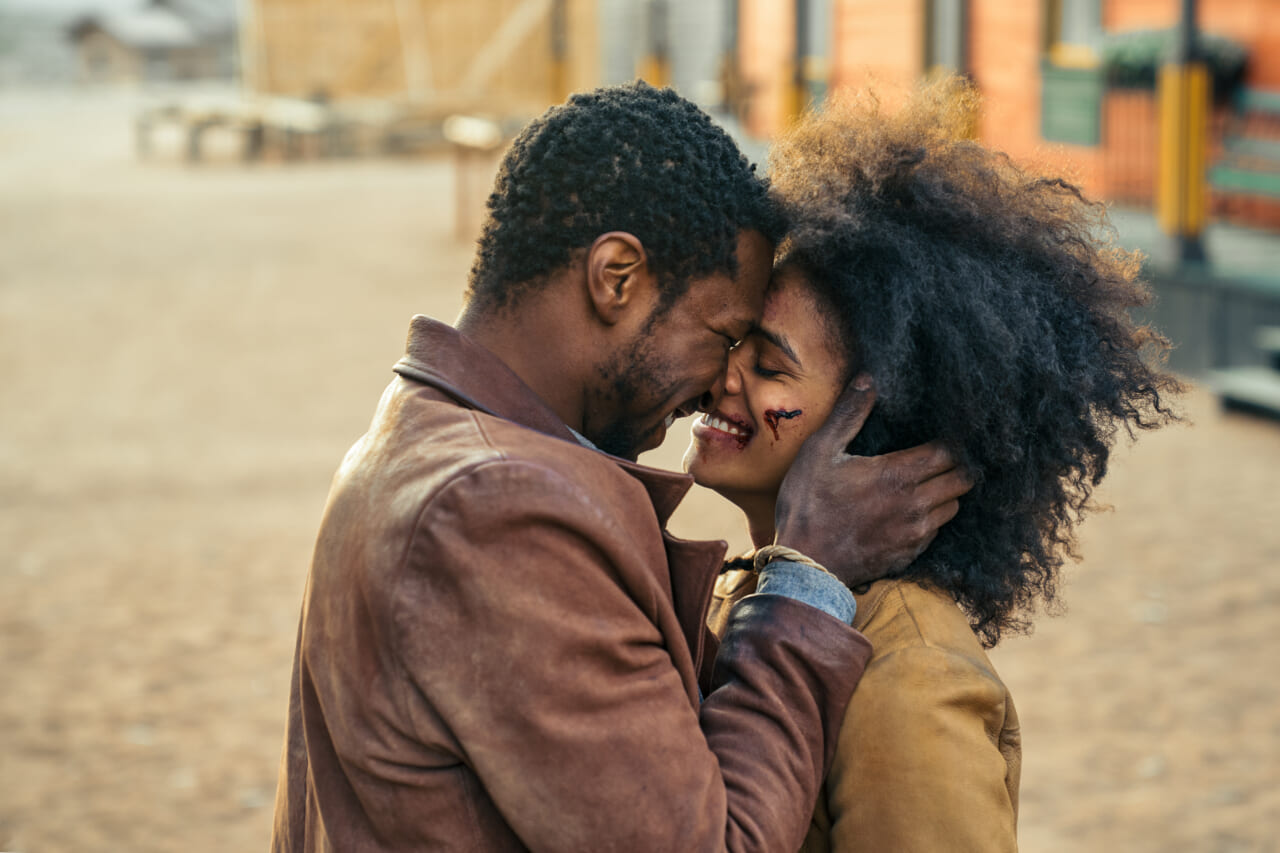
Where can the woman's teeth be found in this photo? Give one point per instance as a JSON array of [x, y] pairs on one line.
[[722, 425]]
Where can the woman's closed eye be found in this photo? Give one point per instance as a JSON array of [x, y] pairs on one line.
[[768, 373]]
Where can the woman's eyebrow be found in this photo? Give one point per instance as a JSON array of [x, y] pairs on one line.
[[778, 341]]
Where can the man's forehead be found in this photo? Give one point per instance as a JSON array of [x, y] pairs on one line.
[[755, 253], [735, 302]]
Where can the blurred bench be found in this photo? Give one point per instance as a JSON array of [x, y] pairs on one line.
[[194, 117], [292, 127], [1254, 389], [477, 142], [1250, 163]]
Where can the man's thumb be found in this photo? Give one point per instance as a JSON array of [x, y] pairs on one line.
[[850, 412]]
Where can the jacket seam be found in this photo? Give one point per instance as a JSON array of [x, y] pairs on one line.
[[978, 671], [402, 566], [864, 616], [405, 681], [915, 623]]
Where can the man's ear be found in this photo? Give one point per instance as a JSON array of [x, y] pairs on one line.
[[618, 276]]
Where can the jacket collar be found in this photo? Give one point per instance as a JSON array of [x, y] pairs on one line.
[[440, 356]]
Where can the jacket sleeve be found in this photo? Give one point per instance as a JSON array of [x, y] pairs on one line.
[[531, 642], [916, 768]]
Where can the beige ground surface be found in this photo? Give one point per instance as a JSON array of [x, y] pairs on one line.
[[186, 354]]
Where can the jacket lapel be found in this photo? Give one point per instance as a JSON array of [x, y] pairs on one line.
[[440, 356]]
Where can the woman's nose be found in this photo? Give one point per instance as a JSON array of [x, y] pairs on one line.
[[731, 381], [727, 384]]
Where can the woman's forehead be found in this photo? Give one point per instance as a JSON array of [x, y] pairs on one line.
[[789, 296], [794, 311]]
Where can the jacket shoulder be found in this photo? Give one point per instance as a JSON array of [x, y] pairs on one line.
[[535, 464], [419, 446], [898, 615], [931, 730]]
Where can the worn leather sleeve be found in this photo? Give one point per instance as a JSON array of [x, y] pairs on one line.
[[526, 633], [916, 769]]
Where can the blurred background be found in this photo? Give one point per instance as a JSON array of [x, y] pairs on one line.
[[217, 217]]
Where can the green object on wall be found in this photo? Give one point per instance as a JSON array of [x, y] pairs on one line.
[[1132, 57], [1071, 104]]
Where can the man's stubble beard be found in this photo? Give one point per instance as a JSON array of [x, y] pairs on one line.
[[637, 374]]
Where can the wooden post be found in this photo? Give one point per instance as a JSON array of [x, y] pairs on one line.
[[559, 51], [655, 67]]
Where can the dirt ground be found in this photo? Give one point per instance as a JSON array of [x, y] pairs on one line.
[[187, 353]]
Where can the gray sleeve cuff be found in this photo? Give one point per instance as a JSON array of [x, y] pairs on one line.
[[810, 586]]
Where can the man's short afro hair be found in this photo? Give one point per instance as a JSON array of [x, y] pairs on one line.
[[624, 158]]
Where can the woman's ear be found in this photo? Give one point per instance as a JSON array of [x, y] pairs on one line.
[[619, 280]]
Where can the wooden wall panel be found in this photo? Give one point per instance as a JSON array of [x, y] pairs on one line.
[[413, 49]]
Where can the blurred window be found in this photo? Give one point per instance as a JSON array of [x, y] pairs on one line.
[[1073, 32], [1070, 72]]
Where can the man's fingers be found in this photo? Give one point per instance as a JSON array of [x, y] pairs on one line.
[[922, 544], [922, 462], [941, 514], [947, 486], [849, 413]]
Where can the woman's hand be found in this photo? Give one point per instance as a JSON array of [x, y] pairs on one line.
[[865, 517]]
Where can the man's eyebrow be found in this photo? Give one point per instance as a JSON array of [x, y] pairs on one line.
[[777, 340]]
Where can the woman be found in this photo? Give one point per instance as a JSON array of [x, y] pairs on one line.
[[991, 312]]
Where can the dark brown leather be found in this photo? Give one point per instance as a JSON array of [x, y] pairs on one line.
[[500, 647], [930, 753]]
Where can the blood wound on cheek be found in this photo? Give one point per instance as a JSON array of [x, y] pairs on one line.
[[773, 416]]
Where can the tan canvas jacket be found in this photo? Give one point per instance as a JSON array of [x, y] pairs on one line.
[[502, 649], [930, 752]]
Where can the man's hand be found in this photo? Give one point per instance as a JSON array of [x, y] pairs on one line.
[[864, 517]]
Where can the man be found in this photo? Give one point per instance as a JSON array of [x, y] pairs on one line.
[[500, 646]]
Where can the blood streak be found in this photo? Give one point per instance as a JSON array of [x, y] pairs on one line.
[[772, 416]]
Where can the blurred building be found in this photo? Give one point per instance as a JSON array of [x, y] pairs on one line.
[[159, 40], [1046, 70], [34, 48]]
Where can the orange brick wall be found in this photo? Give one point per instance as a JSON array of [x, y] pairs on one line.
[[877, 43], [1004, 58], [882, 43], [766, 44]]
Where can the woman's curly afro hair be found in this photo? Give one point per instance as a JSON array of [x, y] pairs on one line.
[[624, 158], [990, 305]]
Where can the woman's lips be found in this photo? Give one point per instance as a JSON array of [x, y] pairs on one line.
[[717, 425]]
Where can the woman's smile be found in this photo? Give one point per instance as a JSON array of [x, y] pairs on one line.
[[718, 426]]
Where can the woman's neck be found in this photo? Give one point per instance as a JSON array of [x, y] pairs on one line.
[[758, 509]]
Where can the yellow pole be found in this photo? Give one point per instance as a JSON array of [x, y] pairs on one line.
[[797, 92], [1184, 121], [1197, 110]]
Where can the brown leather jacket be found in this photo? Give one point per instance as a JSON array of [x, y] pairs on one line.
[[501, 648], [930, 752]]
